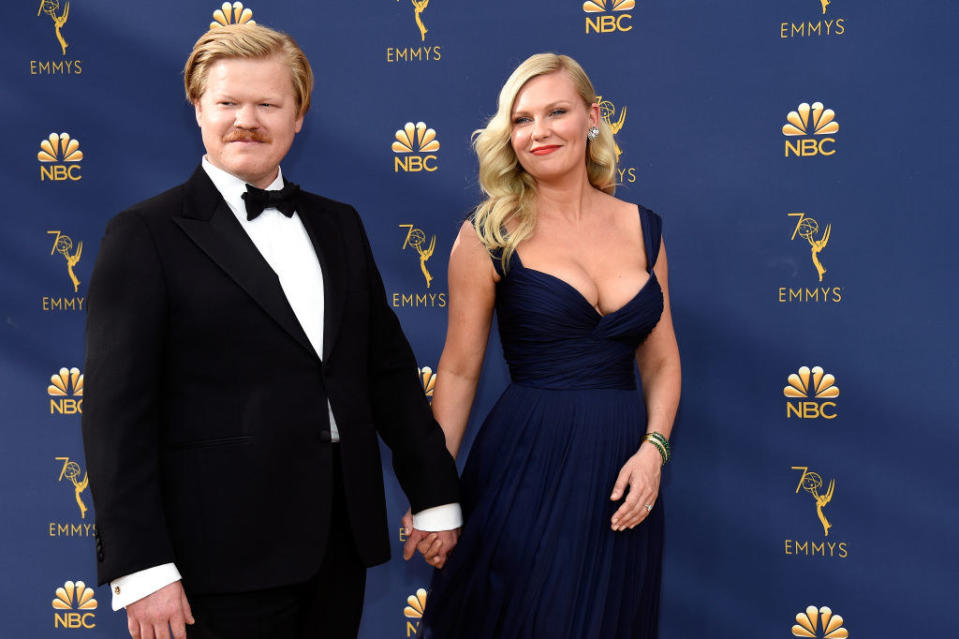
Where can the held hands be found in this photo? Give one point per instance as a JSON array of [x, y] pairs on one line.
[[434, 546], [641, 473], [153, 616]]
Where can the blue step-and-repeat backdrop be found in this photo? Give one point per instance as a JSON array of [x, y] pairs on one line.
[[802, 154]]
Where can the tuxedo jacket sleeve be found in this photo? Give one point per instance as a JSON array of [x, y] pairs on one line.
[[205, 425]]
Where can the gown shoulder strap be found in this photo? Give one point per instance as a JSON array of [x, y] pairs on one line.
[[652, 226]]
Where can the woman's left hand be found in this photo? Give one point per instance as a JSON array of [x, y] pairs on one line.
[[641, 473]]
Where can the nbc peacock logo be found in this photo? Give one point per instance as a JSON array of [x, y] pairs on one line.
[[234, 13], [74, 603], [810, 622], [415, 607], [60, 158], [414, 148], [66, 392], [608, 16], [807, 131], [428, 380], [815, 389]]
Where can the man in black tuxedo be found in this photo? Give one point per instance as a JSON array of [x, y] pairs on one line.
[[241, 359]]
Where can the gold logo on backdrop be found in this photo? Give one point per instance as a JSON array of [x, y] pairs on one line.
[[615, 123], [808, 624], [607, 16], [72, 598], [415, 607], [811, 384], [824, 27], [822, 123], [416, 238], [71, 471], [808, 228], [428, 379], [424, 53], [414, 146], [608, 110], [64, 389], [51, 7], [818, 238], [812, 482], [419, 6], [232, 14], [55, 152], [66, 383], [63, 245]]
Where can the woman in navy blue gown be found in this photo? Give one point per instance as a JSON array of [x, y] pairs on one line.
[[563, 522]]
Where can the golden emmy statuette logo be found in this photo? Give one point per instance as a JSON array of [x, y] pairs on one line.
[[607, 16], [55, 151], [811, 384], [808, 624], [608, 110], [823, 27], [51, 7], [64, 389], [232, 14], [431, 53], [71, 470], [63, 245], [419, 6], [428, 379], [416, 238], [414, 146], [76, 601], [799, 123], [415, 607], [807, 228], [811, 482]]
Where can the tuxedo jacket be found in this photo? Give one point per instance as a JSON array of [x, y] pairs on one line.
[[205, 420]]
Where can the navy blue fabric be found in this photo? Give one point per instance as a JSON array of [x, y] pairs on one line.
[[537, 557]]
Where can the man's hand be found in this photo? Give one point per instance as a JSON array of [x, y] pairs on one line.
[[434, 546], [153, 616]]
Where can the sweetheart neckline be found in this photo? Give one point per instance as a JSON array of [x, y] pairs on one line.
[[579, 293]]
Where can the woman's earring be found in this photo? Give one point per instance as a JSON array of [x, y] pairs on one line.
[[592, 133]]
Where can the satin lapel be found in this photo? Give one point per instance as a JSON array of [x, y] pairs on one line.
[[327, 238], [221, 237]]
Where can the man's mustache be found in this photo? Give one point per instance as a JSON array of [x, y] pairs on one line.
[[246, 135]]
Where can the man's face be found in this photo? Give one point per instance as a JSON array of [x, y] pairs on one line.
[[248, 117]]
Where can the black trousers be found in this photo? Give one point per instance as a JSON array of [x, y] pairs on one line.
[[327, 606]]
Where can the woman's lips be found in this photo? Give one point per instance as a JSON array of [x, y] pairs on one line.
[[544, 150]]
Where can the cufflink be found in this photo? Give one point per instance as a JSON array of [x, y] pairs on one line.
[[116, 590]]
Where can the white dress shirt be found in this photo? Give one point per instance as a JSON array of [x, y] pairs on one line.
[[285, 245]]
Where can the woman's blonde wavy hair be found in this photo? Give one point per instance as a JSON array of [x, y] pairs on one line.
[[509, 189]]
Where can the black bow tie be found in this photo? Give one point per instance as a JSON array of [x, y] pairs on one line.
[[257, 200]]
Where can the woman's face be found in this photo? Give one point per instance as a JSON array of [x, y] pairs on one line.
[[549, 127]]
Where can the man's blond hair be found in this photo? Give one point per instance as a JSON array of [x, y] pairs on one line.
[[248, 41]]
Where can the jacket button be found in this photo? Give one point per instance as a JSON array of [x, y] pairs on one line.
[[325, 436]]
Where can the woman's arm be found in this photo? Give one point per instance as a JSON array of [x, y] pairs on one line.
[[472, 288], [658, 360]]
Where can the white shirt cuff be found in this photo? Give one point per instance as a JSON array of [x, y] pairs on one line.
[[445, 517], [137, 585]]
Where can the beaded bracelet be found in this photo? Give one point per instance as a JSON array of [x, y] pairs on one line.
[[661, 444]]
